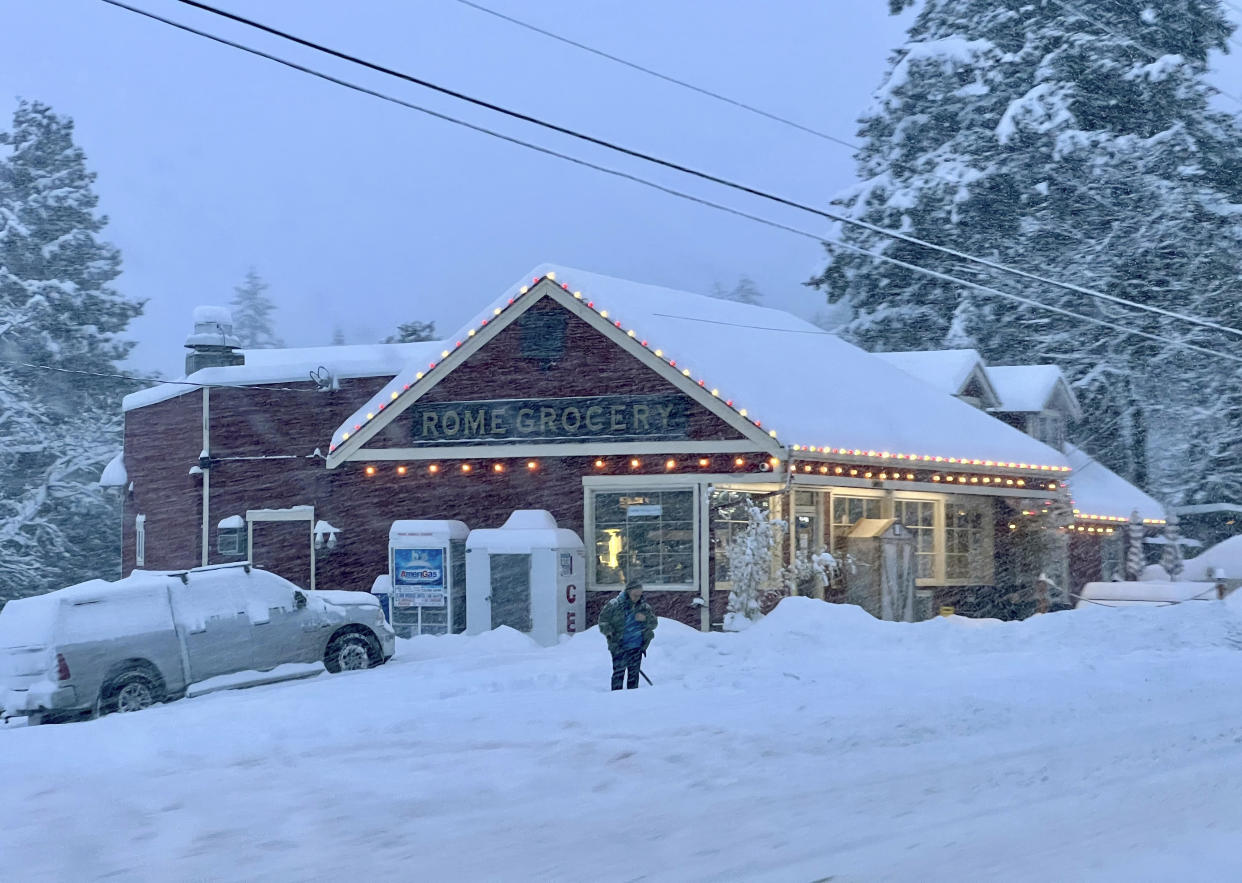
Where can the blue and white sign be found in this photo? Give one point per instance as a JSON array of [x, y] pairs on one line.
[[418, 578]]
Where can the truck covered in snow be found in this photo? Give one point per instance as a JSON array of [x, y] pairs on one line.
[[101, 646]]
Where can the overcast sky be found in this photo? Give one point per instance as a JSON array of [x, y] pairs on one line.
[[362, 214]]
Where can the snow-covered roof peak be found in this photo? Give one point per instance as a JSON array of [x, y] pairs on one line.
[[802, 385], [1031, 388], [948, 370]]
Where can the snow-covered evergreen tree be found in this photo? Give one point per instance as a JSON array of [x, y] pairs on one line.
[[252, 314], [58, 309], [413, 332], [745, 291], [338, 336], [1072, 140], [751, 567]]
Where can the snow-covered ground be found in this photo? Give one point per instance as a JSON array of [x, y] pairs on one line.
[[1095, 744]]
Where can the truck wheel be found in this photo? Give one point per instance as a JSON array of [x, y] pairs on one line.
[[351, 652], [131, 690]]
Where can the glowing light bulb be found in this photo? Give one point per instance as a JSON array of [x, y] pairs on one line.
[[370, 470]]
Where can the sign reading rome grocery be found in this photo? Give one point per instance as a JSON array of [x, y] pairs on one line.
[[581, 418]]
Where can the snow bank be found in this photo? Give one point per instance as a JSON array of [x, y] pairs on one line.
[[1090, 744], [1225, 558]]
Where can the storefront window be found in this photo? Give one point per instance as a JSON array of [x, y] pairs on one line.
[[919, 517], [644, 535], [966, 543], [846, 511]]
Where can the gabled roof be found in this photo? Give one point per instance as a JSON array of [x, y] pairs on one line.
[[1102, 495], [951, 371], [291, 365], [803, 386], [1033, 388]]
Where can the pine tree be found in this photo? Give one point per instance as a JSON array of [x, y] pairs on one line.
[[338, 336], [413, 332], [252, 314], [745, 291], [1075, 141], [58, 309]]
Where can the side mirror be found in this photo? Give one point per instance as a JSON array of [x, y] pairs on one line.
[[299, 600]]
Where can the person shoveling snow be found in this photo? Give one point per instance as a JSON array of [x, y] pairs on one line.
[[628, 623]]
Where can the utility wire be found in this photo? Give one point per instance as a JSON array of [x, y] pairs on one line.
[[670, 190], [636, 154], [759, 111]]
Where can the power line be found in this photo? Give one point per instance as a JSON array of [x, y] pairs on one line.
[[664, 163], [665, 189], [660, 76]]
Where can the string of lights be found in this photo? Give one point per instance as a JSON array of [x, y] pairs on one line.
[[663, 188], [650, 158]]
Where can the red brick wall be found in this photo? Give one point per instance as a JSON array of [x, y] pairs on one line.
[[592, 365]]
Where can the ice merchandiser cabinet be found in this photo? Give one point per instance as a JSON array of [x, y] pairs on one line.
[[427, 573], [527, 575]]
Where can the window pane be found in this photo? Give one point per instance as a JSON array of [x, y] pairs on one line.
[[644, 535]]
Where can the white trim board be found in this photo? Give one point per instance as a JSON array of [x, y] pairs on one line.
[[501, 451]]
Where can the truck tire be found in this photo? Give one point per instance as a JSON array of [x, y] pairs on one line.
[[133, 689], [351, 651]]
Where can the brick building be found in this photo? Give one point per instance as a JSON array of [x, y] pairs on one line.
[[638, 416]]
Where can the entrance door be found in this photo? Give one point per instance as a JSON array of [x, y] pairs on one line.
[[511, 591]]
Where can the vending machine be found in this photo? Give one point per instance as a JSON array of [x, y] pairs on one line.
[[528, 575], [427, 577]]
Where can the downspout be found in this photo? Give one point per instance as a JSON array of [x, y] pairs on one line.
[[204, 462]]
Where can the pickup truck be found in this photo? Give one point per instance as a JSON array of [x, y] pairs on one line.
[[100, 646]]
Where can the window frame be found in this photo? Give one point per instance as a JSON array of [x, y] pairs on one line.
[[641, 486], [888, 509]]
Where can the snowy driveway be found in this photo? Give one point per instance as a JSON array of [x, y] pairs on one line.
[[1101, 744]]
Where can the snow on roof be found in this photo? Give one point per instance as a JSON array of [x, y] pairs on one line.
[[1225, 559], [764, 362], [1100, 493], [1029, 387], [114, 474], [265, 366], [947, 370]]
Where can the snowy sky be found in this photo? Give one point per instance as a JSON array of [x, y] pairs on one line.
[[362, 214]]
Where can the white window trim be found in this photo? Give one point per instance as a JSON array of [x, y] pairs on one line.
[[140, 540], [591, 485]]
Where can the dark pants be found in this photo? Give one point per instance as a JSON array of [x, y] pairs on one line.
[[623, 662]]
